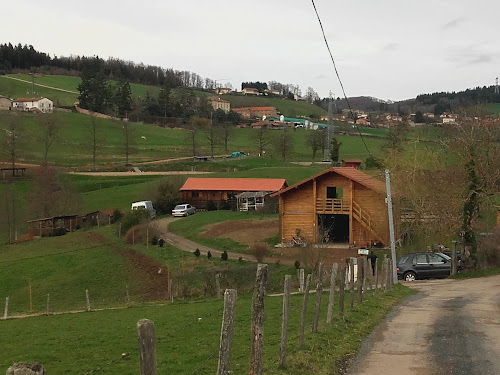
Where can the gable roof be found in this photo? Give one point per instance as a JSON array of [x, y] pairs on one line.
[[234, 184], [349, 172]]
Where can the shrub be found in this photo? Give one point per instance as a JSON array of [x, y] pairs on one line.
[[161, 242], [209, 255], [134, 218], [138, 233], [489, 249], [196, 252], [211, 205], [224, 255], [297, 264], [154, 240], [167, 195], [117, 215], [259, 251]]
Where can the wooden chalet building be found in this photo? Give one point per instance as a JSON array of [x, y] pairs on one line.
[[341, 204], [198, 191]]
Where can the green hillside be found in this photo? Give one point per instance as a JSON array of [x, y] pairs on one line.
[[493, 108]]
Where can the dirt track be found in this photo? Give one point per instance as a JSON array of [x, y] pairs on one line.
[[450, 327]]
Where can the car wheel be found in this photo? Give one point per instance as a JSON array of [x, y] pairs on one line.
[[410, 276]]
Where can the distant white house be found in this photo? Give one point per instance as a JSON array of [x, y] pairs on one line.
[[222, 90], [250, 91], [43, 105]]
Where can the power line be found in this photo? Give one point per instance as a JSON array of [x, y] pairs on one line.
[[338, 76]]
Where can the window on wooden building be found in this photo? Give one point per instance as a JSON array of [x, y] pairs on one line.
[[334, 192]]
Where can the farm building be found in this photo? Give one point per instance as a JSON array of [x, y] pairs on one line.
[[218, 103], [341, 204], [42, 105], [198, 191]]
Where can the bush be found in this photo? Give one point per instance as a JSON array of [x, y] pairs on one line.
[[297, 264], [134, 218], [138, 233], [154, 241], [489, 249], [224, 255], [259, 251], [117, 215], [167, 195], [211, 205], [209, 255], [196, 252]]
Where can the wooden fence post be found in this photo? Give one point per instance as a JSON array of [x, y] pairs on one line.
[[331, 300], [258, 319], [319, 293], [227, 333], [217, 285], [284, 321], [88, 299], [369, 274], [6, 310], [304, 310], [147, 347], [386, 274], [351, 282], [360, 279], [301, 280], [147, 238], [47, 312], [376, 273], [342, 290]]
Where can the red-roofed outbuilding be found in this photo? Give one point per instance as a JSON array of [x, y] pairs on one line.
[[198, 191]]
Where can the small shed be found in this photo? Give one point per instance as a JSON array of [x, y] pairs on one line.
[[51, 226], [250, 200]]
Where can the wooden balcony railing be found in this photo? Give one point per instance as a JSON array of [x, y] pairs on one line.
[[332, 206]]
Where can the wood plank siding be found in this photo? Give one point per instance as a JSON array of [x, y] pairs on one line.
[[337, 195]]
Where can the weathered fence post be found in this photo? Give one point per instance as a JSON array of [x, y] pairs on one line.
[[217, 285], [331, 300], [147, 347], [47, 312], [6, 310], [88, 299], [369, 274], [351, 282], [454, 258], [258, 319], [319, 293], [284, 321], [360, 279], [227, 333], [376, 273], [342, 290], [147, 238], [301, 280], [386, 275], [304, 310]]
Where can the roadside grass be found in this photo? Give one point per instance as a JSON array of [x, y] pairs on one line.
[[188, 334], [190, 227], [469, 274]]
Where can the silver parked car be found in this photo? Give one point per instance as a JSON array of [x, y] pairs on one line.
[[183, 210]]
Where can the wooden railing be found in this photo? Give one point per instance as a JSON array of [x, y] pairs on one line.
[[332, 206], [363, 217]]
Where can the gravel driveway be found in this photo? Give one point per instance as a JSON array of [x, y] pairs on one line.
[[450, 327]]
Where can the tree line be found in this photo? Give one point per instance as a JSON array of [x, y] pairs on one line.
[[25, 57]]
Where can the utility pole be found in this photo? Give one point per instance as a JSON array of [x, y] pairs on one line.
[[497, 91], [329, 130], [391, 225]]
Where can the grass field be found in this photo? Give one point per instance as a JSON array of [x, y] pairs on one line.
[[187, 335], [494, 108]]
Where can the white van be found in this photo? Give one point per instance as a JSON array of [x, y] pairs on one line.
[[145, 205]]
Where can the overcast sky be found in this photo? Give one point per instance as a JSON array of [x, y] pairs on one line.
[[390, 49]]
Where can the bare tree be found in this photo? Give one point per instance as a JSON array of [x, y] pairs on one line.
[[128, 140], [50, 129], [226, 134], [12, 139], [316, 141], [284, 143], [194, 126], [213, 136], [262, 139], [93, 140]]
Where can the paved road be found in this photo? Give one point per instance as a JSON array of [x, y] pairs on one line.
[[450, 327]]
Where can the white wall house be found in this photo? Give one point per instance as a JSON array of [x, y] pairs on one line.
[[43, 105]]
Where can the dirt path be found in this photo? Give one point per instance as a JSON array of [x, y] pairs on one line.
[[450, 327], [188, 245], [38, 84]]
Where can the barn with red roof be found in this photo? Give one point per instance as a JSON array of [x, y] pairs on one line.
[[198, 191], [338, 205]]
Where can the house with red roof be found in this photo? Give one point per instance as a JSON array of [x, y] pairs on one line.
[[338, 205], [198, 191], [40, 105]]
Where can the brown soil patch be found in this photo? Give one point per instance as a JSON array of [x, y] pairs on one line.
[[243, 231], [150, 276]]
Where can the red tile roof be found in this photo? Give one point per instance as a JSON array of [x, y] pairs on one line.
[[349, 172], [352, 160], [28, 99], [234, 184]]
